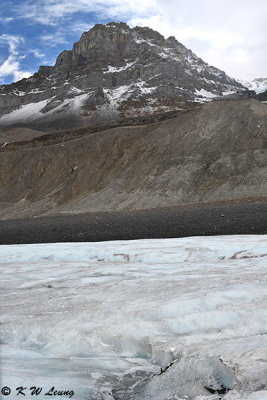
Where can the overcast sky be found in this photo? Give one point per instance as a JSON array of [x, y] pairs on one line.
[[229, 34]]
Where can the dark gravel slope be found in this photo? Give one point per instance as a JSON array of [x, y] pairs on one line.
[[221, 218]]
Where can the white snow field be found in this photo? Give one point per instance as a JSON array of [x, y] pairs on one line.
[[162, 319]]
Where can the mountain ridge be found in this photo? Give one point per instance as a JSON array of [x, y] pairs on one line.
[[114, 72]]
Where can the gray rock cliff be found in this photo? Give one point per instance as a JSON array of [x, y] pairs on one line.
[[113, 72]]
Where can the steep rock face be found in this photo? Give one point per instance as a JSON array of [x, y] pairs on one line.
[[213, 152], [113, 72]]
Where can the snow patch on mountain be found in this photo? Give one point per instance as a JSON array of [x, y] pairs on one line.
[[35, 111], [25, 113], [119, 69], [117, 95], [206, 94]]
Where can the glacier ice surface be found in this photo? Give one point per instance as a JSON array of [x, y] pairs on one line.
[[147, 319]]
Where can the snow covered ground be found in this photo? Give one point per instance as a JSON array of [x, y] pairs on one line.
[[147, 319]]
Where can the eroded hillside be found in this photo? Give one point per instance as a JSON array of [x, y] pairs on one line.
[[215, 151]]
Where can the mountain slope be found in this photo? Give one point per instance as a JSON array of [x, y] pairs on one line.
[[214, 152], [258, 88], [259, 85], [113, 72]]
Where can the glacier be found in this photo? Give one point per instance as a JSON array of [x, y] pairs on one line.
[[163, 319]]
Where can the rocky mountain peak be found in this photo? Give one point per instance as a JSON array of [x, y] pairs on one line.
[[111, 43], [114, 72]]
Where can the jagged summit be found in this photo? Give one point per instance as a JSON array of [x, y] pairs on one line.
[[113, 72]]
